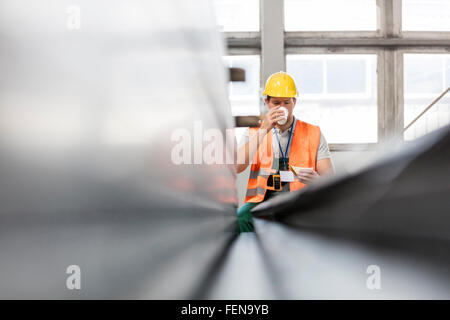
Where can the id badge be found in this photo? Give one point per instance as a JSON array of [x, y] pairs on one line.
[[287, 176]]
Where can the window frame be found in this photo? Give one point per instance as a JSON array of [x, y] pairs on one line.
[[327, 95], [380, 89], [388, 42], [418, 50]]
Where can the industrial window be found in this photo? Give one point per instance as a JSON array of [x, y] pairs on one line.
[[338, 92], [244, 96], [330, 15], [379, 45], [426, 76], [237, 15], [426, 15]]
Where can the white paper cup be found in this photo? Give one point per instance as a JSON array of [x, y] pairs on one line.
[[286, 112]]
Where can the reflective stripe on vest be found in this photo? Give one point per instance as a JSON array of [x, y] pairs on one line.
[[303, 153], [254, 192], [261, 172]]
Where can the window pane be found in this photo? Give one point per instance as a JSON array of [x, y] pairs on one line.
[[354, 71], [308, 72], [244, 96], [237, 15], [426, 76], [345, 105], [426, 15], [330, 15]]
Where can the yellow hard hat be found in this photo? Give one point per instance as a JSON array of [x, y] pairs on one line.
[[279, 85]]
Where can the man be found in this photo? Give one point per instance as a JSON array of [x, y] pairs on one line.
[[285, 157]]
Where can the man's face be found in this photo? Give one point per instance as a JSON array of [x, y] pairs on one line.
[[288, 103]]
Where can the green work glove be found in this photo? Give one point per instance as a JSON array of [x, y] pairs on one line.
[[245, 218]]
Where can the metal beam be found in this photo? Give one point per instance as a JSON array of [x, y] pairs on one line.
[[272, 38], [391, 107], [243, 39], [331, 41]]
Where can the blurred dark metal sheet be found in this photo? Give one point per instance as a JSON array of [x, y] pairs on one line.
[[315, 263], [394, 214], [405, 194]]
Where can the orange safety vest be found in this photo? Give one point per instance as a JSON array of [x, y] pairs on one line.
[[303, 153]]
